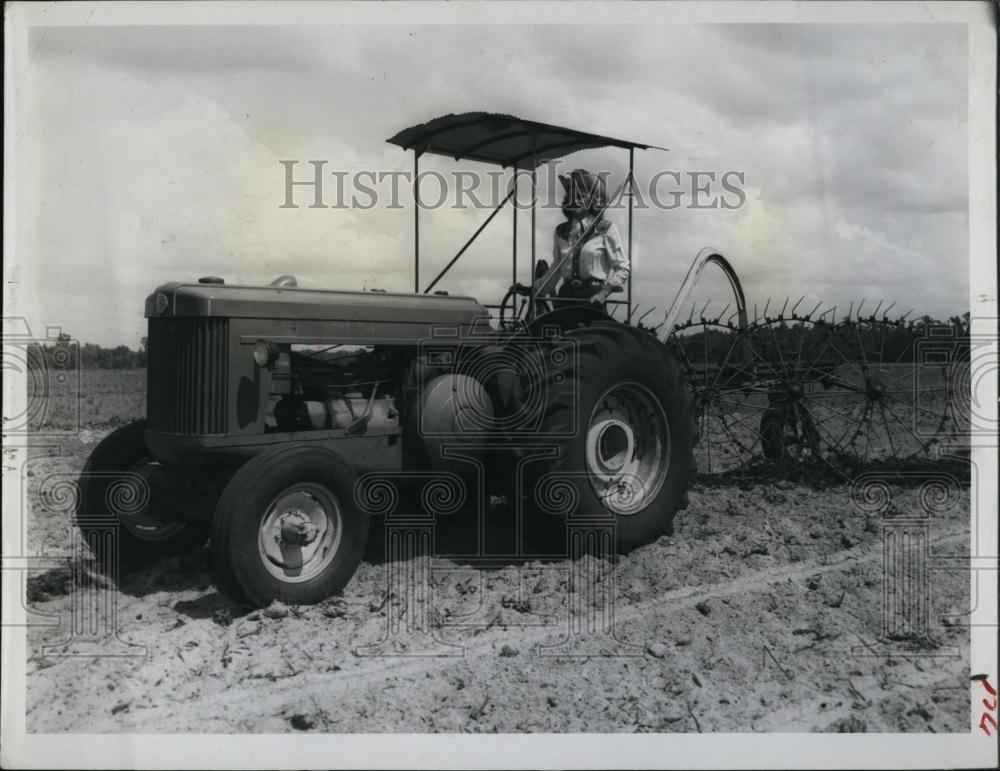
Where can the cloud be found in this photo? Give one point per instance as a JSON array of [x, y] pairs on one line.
[[210, 49], [153, 154]]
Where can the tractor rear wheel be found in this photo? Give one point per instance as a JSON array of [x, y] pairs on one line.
[[287, 527], [615, 404], [123, 488]]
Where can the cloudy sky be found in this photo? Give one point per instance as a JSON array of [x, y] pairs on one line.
[[151, 154]]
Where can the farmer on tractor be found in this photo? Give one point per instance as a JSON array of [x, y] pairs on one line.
[[263, 417], [597, 266]]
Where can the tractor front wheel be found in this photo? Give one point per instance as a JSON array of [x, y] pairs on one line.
[[287, 528]]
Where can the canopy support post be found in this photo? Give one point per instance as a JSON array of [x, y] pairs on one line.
[[631, 199], [513, 271], [534, 205], [468, 243], [416, 220]]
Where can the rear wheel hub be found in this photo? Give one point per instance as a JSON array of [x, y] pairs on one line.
[[627, 448]]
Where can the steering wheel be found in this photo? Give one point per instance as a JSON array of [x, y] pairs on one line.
[[503, 304], [541, 306], [515, 289]]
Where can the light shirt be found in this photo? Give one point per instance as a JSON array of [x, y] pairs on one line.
[[601, 256]]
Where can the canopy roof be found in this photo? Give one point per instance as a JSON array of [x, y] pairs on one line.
[[501, 139]]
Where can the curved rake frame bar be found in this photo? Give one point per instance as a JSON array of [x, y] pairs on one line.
[[705, 256]]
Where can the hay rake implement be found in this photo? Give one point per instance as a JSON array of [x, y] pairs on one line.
[[789, 387]]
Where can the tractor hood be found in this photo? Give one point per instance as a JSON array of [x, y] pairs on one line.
[[294, 303]]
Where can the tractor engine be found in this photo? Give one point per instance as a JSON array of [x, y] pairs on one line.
[[362, 389], [348, 388], [338, 410], [237, 370]]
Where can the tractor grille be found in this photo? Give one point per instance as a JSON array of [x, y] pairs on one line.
[[186, 385]]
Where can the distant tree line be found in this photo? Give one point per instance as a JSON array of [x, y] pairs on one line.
[[787, 341], [65, 353]]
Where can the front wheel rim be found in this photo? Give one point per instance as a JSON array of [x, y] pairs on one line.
[[300, 533], [627, 448]]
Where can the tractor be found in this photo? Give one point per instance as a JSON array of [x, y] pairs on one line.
[[268, 407]]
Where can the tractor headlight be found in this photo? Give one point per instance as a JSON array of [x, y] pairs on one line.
[[265, 353], [162, 303]]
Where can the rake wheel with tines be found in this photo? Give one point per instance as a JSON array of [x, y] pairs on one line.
[[900, 407], [792, 389]]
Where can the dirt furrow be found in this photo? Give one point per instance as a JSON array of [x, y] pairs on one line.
[[636, 622]]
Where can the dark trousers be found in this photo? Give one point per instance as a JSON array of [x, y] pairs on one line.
[[580, 294]]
